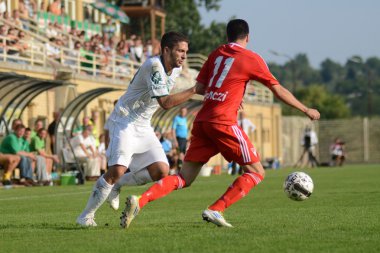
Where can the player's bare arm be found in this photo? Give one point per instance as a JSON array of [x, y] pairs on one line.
[[200, 88], [173, 100], [287, 97]]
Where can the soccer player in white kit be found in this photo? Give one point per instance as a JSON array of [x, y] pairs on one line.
[[133, 144]]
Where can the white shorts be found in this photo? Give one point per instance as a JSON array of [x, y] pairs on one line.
[[134, 147]]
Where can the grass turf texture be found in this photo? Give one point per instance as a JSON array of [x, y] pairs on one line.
[[342, 215]]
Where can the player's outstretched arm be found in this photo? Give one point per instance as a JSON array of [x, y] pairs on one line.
[[170, 101], [287, 97]]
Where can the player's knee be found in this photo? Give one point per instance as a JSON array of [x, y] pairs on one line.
[[114, 173], [256, 168], [158, 170]]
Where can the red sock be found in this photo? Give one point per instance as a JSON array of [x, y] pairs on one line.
[[162, 188], [239, 188]]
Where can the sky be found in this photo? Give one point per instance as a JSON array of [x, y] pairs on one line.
[[335, 29]]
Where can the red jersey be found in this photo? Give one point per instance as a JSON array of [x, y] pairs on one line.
[[226, 73]]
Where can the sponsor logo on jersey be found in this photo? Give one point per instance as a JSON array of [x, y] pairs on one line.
[[216, 96], [156, 77]]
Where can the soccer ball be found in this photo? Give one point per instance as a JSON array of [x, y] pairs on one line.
[[298, 186]]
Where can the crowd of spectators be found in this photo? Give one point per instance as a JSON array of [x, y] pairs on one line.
[[99, 49], [27, 149]]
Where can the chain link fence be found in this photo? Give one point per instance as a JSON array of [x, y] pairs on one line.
[[361, 137]]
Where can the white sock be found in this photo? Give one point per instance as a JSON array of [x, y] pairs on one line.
[[140, 177], [99, 194]]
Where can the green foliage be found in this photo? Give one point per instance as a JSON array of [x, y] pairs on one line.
[[341, 216], [357, 84], [183, 16]]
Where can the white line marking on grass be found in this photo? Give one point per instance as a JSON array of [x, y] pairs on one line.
[[44, 196]]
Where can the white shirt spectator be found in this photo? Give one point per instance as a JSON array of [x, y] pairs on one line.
[[87, 142], [247, 125], [3, 8]]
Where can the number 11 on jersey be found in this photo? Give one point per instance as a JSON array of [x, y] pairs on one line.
[[227, 66]]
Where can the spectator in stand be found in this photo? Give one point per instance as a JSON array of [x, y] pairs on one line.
[[63, 12], [137, 51], [8, 162], [337, 151], [16, 18], [3, 7], [52, 50], [85, 150], [3, 42], [87, 14], [51, 130], [74, 55], [55, 7], [51, 31], [28, 9], [109, 28], [7, 16], [14, 144]]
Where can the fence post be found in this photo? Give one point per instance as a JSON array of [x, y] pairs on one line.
[[365, 139]]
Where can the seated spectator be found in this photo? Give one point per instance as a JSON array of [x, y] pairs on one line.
[[14, 144], [8, 162], [38, 145], [338, 154], [51, 31], [40, 166], [16, 18], [52, 48], [85, 150]]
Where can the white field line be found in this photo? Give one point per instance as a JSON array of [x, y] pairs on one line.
[[44, 196]]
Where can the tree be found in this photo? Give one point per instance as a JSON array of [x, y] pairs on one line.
[[183, 16]]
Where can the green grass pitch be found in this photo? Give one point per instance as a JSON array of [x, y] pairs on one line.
[[342, 215]]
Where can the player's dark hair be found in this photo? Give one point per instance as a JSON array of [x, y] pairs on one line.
[[170, 39], [237, 29]]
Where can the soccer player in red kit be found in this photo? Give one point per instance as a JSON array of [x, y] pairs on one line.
[[222, 80]]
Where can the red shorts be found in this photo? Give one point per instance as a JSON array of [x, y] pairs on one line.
[[209, 139]]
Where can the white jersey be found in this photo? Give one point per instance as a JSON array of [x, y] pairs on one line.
[[139, 103]]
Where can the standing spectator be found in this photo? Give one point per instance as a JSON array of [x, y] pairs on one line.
[[85, 150], [3, 7], [55, 7], [51, 130], [180, 130], [338, 154], [308, 141], [246, 124], [248, 127], [137, 51], [109, 28]]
